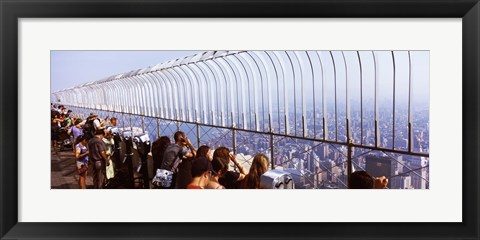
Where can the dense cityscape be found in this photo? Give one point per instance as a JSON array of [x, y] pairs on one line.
[[324, 165]]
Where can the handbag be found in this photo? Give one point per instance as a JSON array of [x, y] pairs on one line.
[[163, 178], [109, 170], [82, 170]]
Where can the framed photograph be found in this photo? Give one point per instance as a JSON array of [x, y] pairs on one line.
[[319, 92]]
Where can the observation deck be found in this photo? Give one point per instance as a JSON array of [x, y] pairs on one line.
[[320, 114]]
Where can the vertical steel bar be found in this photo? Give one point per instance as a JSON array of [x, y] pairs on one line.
[[227, 85], [278, 91], [172, 110], [198, 90], [131, 127], [123, 120], [272, 161], [158, 127], [324, 101], [156, 92], [238, 91], [361, 97], [302, 91], [216, 98], [347, 115], [313, 95], [137, 94], [268, 88], [254, 90], [393, 111], [234, 141], [131, 101], [237, 121], [375, 100], [285, 99], [244, 92], [144, 86], [181, 105], [335, 90], [207, 102], [347, 100], [198, 133], [294, 95], [221, 92], [410, 135], [349, 163], [262, 95], [165, 97], [190, 96]]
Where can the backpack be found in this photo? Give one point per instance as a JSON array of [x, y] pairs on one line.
[[89, 129]]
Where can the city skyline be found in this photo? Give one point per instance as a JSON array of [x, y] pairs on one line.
[[306, 156]]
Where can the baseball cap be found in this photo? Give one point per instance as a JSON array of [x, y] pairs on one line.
[[201, 165], [92, 114]]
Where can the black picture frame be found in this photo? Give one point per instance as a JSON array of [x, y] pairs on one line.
[[11, 11]]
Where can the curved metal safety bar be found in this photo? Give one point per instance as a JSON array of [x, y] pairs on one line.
[[305, 94]]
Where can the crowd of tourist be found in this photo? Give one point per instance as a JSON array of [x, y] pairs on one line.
[[93, 144], [203, 169]]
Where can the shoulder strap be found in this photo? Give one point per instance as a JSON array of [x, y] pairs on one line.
[[177, 161]]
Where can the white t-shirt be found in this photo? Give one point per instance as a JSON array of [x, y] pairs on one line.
[[97, 124]]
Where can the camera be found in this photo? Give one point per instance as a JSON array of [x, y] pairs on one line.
[[127, 135], [142, 138], [276, 179], [114, 131]]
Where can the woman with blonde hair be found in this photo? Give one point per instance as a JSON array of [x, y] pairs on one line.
[[259, 167]]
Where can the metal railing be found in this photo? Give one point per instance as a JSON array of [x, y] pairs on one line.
[[296, 95]]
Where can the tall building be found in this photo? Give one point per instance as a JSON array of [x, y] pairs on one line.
[[401, 181], [379, 166], [419, 178]]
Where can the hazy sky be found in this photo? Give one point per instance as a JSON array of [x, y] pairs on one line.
[[72, 68]]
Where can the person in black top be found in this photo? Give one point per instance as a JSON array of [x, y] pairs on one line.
[[230, 179], [158, 149]]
